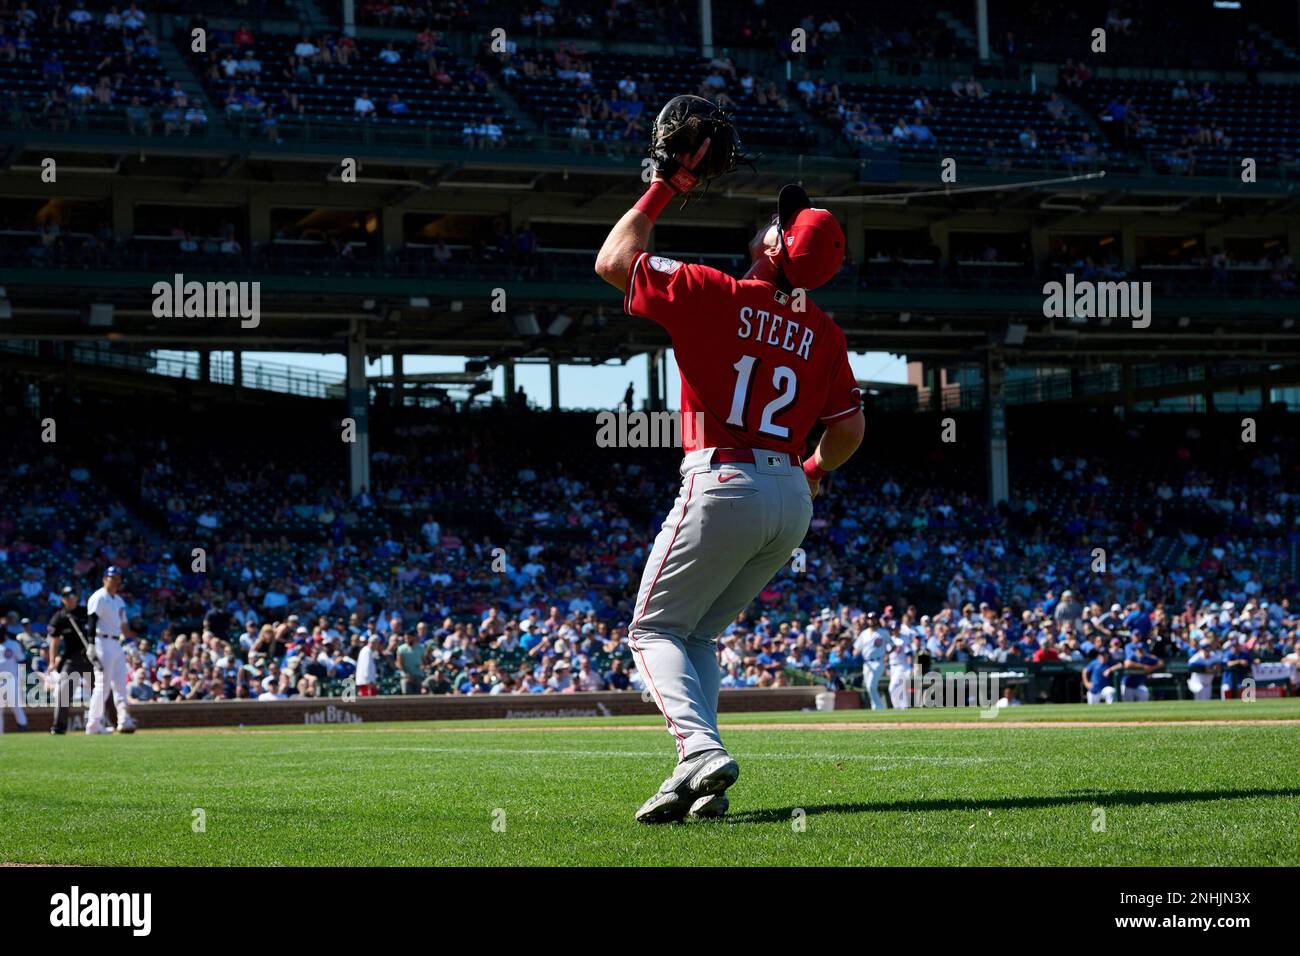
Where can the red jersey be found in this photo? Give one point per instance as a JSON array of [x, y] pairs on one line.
[[755, 373]]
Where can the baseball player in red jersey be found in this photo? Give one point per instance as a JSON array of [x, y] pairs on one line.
[[760, 365]]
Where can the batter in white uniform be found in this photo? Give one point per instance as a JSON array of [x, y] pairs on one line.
[[108, 623]]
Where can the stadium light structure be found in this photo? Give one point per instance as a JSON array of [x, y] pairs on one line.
[[559, 325], [525, 324]]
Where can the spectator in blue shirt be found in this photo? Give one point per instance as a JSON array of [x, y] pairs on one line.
[[1138, 622], [616, 677], [53, 68], [531, 637]]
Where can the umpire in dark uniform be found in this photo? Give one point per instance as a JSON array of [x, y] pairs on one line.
[[70, 657]]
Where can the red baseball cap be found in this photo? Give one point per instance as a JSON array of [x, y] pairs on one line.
[[812, 241]]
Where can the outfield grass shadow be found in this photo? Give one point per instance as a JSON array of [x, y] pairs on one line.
[[1101, 798]]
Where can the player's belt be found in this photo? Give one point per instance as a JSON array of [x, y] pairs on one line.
[[745, 456]]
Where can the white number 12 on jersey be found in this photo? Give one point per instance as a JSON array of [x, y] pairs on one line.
[[783, 380]]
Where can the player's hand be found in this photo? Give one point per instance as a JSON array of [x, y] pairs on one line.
[[690, 162]]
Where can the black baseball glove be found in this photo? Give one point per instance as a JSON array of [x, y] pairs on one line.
[[681, 129]]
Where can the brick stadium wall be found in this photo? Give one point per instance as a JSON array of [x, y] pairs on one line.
[[230, 713]]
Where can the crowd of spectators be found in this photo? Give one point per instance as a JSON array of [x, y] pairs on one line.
[[610, 108], [265, 81], [440, 14], [752, 23], [1135, 127], [1052, 140], [615, 19], [264, 92], [515, 571], [614, 116], [112, 49]]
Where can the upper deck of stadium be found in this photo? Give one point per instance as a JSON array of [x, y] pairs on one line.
[[539, 130], [511, 152]]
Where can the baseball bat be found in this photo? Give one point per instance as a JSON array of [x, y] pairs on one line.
[[90, 651]]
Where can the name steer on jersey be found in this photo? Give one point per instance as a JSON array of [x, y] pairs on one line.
[[774, 321], [759, 374]]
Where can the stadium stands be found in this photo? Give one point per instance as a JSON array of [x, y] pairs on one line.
[[1001, 131], [89, 73], [1182, 528], [544, 18], [613, 90], [1184, 128], [66, 76], [1150, 33], [911, 31], [278, 80]]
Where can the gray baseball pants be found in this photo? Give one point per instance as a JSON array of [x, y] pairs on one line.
[[728, 533]]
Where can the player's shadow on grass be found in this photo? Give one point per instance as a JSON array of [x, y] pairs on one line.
[[1100, 798]]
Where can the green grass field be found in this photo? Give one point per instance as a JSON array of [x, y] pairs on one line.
[[491, 793]]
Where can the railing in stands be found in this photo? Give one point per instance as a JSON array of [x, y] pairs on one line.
[[1063, 386], [255, 373], [233, 132]]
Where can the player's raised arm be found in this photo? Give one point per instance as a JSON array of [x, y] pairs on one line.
[[627, 240], [692, 140], [631, 234]]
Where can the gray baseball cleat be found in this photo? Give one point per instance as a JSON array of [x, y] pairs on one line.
[[705, 774], [710, 807]]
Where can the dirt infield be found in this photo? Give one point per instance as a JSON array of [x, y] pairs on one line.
[[43, 866], [528, 727]]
